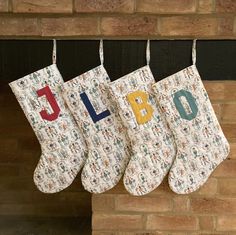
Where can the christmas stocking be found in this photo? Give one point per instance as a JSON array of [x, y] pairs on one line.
[[201, 144], [62, 145], [89, 100], [152, 142]]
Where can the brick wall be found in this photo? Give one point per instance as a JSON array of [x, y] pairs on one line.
[[211, 210], [121, 18]]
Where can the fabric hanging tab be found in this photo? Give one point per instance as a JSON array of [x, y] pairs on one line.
[[194, 51], [101, 51], [54, 52], [148, 52]]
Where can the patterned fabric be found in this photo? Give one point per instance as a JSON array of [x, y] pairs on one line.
[[201, 144], [152, 141], [62, 145], [89, 100]]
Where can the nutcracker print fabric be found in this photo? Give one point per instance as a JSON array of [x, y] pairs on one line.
[[201, 144], [90, 102], [151, 139], [63, 147]]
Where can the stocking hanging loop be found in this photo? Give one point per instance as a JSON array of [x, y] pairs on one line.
[[194, 51], [54, 52], [148, 52], [101, 51]]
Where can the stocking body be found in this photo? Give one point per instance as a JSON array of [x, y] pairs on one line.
[[63, 147], [90, 102], [201, 144], [152, 141]]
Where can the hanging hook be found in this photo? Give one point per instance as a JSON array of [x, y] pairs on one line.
[[148, 52], [101, 51], [54, 52], [194, 51]]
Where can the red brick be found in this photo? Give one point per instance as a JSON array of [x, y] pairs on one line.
[[130, 233], [129, 26], [103, 233], [226, 169], [209, 188], [227, 186], [228, 112], [215, 90], [232, 154], [229, 91], [226, 223], [188, 26], [205, 6], [70, 26], [213, 205], [221, 91], [166, 7], [229, 131], [141, 233], [225, 6], [116, 221], [145, 204], [3, 5], [42, 6], [171, 223], [217, 109], [172, 233], [181, 203], [207, 223], [103, 202], [226, 26], [121, 6], [209, 233], [17, 26], [234, 28]]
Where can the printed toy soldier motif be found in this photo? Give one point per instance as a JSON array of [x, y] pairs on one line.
[[152, 142], [201, 144], [89, 100], [62, 144]]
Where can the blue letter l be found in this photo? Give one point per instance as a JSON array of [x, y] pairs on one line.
[[95, 117]]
